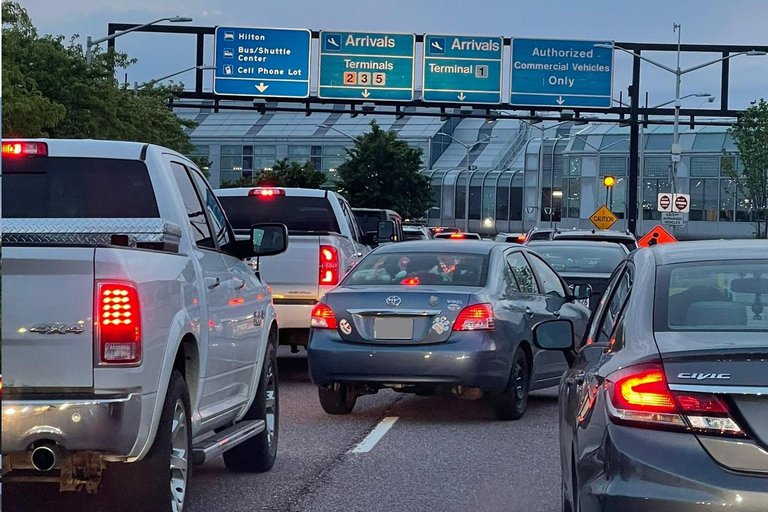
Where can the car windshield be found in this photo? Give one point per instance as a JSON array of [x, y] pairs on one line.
[[299, 214], [421, 268], [585, 258], [722, 296]]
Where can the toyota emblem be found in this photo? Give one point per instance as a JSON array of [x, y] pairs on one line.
[[393, 301]]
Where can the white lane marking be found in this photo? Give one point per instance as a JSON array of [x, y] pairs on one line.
[[375, 436]]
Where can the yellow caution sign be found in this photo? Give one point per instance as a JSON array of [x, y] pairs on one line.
[[603, 218]]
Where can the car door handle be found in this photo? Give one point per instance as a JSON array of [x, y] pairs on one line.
[[239, 284], [529, 311], [212, 282]]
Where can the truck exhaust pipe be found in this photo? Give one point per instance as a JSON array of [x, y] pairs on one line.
[[45, 457]]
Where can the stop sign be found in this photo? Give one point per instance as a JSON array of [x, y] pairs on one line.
[[681, 203]]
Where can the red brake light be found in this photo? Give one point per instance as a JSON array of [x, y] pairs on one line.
[[322, 317], [647, 391], [458, 235], [24, 149], [521, 239], [329, 265], [118, 330], [478, 317], [438, 230], [266, 193], [410, 281]]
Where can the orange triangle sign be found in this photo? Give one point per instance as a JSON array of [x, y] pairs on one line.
[[657, 235]]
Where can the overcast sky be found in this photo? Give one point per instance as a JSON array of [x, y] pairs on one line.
[[704, 21]]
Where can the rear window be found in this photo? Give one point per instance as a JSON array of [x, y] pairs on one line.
[[369, 221], [70, 188], [299, 214], [628, 242], [722, 296], [421, 268], [583, 259]]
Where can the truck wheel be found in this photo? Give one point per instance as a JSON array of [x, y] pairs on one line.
[[160, 481], [337, 398], [258, 454], [512, 402]]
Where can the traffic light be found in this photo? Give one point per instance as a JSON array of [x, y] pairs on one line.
[[609, 181]]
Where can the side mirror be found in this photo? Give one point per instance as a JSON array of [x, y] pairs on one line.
[[269, 239], [385, 231], [372, 238], [553, 335], [581, 291]]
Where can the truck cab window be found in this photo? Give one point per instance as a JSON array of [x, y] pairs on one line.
[[195, 212]]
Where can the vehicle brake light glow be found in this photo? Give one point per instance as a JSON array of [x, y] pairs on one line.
[[647, 390], [266, 193], [458, 235], [118, 330], [410, 281], [322, 317], [24, 149], [329, 265], [478, 317], [521, 239]]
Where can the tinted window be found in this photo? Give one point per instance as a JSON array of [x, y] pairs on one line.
[[72, 188], [611, 311], [522, 272], [215, 213], [300, 214], [591, 258], [722, 296], [200, 228], [369, 221], [421, 268], [549, 280]]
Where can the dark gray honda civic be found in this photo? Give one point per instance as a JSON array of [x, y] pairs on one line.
[[665, 405], [440, 316]]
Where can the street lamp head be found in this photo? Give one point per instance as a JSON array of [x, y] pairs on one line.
[[756, 53], [703, 95], [180, 19]]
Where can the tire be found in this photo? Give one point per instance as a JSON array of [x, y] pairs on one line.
[[337, 398], [160, 481], [258, 454], [513, 401]]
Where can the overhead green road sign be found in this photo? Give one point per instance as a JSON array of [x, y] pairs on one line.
[[462, 68], [365, 66]]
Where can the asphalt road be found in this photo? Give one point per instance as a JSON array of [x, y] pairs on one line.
[[442, 454]]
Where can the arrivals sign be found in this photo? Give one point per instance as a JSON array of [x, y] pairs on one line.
[[270, 62], [462, 68], [366, 66], [558, 73]]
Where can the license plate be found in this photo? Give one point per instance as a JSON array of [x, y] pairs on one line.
[[393, 328], [584, 301]]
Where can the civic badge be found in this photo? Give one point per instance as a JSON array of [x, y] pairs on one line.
[[345, 326], [393, 301], [433, 301]]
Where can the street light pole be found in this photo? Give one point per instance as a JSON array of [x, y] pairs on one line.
[[89, 42], [166, 77], [337, 131], [676, 137]]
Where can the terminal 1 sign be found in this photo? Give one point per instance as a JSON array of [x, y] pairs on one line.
[[275, 63]]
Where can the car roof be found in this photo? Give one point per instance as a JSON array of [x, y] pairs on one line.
[[594, 232], [709, 250], [289, 192], [586, 244], [92, 148], [445, 246]]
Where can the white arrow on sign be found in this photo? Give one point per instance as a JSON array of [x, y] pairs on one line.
[[366, 93], [462, 97], [560, 100], [262, 87]]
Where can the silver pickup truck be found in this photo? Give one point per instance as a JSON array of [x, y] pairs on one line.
[[325, 242], [136, 340]]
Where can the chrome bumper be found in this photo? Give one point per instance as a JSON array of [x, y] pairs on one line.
[[110, 426]]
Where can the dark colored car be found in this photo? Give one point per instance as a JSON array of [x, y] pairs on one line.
[[457, 235], [369, 218], [665, 406], [597, 235], [429, 317], [583, 263]]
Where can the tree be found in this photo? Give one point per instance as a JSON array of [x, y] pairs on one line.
[[383, 172], [50, 90], [750, 135], [291, 174]]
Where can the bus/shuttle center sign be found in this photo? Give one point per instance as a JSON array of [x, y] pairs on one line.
[[366, 66], [462, 68], [268, 62], [557, 73]]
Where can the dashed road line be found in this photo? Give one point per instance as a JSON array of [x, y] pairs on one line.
[[375, 436]]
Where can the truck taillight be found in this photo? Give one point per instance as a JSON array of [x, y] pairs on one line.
[[118, 328], [266, 193], [640, 396], [478, 317], [24, 149], [329, 265]]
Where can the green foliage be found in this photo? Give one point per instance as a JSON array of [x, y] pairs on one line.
[[383, 172], [750, 135], [291, 174], [49, 90]]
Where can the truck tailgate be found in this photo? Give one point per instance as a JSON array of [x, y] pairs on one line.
[[294, 274], [47, 324]]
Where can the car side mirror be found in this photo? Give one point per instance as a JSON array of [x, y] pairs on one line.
[[581, 291], [385, 231], [553, 335], [269, 239], [372, 238]]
